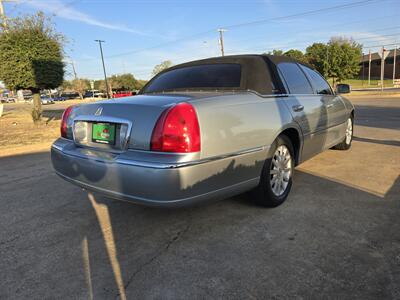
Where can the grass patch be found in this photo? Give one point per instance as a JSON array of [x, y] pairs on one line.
[[359, 83], [18, 130]]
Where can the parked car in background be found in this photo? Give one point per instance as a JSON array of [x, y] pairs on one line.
[[122, 94], [94, 94], [46, 99], [59, 98], [70, 95], [10, 100], [206, 129]]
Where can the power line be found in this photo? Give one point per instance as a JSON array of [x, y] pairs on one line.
[[312, 29], [303, 14], [306, 13]]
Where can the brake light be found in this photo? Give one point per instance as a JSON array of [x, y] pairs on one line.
[[177, 130], [64, 119]]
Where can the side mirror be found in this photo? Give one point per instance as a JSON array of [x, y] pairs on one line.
[[343, 88]]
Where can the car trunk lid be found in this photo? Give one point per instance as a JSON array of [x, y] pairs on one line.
[[116, 125]]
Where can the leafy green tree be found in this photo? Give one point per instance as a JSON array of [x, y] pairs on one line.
[[275, 52], [125, 82], [338, 59], [80, 86], [317, 56], [31, 55], [66, 85], [295, 54], [99, 85], [161, 67], [140, 84], [343, 58]]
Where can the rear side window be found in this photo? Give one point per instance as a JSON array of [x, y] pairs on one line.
[[295, 78], [319, 83], [212, 76]]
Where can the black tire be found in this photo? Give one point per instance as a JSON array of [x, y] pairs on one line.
[[264, 194], [346, 144]]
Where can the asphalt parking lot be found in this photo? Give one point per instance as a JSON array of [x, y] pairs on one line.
[[337, 235]]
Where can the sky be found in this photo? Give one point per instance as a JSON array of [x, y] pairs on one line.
[[139, 34]]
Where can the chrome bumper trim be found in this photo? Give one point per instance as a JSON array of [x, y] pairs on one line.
[[159, 165]]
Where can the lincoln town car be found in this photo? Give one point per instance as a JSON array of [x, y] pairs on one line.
[[206, 129]]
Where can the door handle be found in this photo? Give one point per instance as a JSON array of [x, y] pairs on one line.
[[297, 108]]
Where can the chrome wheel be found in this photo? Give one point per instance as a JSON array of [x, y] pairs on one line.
[[349, 131], [281, 170]]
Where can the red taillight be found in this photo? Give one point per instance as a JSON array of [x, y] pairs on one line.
[[64, 120], [177, 130]]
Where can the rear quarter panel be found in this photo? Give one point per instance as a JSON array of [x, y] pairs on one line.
[[238, 122]]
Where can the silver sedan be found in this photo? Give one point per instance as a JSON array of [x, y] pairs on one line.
[[203, 130]]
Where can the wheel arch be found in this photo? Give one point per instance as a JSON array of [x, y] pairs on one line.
[[294, 135]]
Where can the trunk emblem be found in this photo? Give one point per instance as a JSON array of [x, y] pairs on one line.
[[98, 111]]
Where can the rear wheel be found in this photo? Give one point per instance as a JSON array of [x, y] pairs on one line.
[[276, 177], [348, 138]]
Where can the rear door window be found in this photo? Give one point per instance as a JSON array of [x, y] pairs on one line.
[[319, 83], [209, 76], [295, 79]]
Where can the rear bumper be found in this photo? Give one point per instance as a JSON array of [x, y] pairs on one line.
[[121, 176]]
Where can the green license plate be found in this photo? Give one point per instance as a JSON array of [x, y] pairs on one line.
[[103, 133]]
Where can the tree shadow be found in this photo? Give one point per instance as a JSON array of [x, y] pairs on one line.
[[52, 115]]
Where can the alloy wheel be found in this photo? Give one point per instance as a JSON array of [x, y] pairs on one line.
[[281, 170]]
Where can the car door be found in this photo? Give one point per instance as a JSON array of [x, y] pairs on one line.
[[335, 108], [306, 107]]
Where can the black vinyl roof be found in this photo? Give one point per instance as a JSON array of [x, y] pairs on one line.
[[259, 72]]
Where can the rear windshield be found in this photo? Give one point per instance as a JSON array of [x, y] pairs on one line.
[[213, 76]]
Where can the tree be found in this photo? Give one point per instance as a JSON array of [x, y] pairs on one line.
[[274, 52], [99, 85], [80, 86], [140, 84], [125, 82], [31, 56], [162, 66], [317, 56], [343, 58], [66, 85], [296, 54], [338, 59]]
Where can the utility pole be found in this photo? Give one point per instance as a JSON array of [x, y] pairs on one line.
[[104, 67], [221, 40], [3, 12], [362, 61], [394, 63], [382, 66], [369, 68], [73, 69], [383, 57]]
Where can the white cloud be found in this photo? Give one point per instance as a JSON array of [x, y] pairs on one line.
[[64, 11]]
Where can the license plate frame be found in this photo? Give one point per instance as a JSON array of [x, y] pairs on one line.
[[104, 133]]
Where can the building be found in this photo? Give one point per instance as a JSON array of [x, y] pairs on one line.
[[376, 65]]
